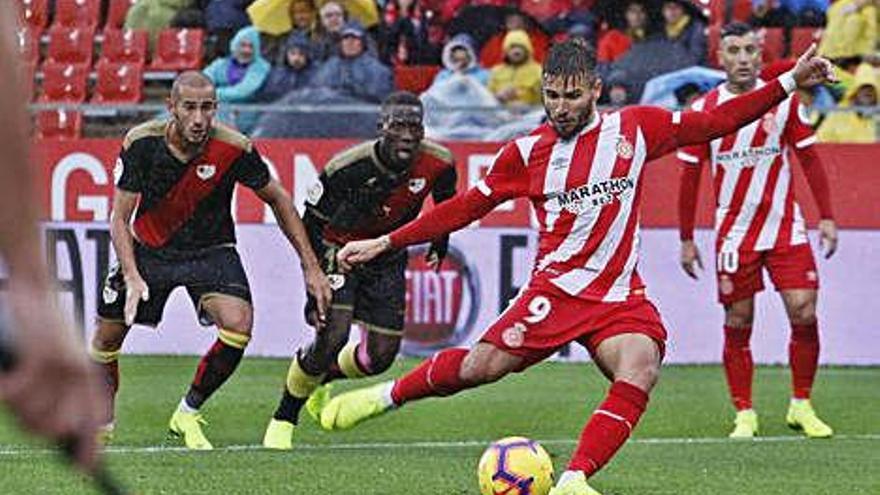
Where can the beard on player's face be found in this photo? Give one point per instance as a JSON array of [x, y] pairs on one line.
[[570, 101]]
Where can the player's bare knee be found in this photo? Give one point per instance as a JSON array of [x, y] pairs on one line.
[[643, 374], [802, 312], [239, 319], [480, 371], [109, 336], [738, 317]]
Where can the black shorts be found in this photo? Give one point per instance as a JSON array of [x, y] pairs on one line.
[[216, 270], [375, 291]]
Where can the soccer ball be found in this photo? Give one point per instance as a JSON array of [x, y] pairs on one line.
[[515, 466]]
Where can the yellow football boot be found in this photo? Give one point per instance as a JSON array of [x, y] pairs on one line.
[[573, 485], [347, 410], [316, 402], [801, 416], [745, 424], [189, 427], [279, 435]]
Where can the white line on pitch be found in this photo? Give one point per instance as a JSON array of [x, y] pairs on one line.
[[161, 449]]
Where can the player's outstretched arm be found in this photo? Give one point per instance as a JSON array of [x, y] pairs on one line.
[[699, 127], [290, 223], [443, 219]]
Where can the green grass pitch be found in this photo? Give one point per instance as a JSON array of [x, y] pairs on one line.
[[432, 447]]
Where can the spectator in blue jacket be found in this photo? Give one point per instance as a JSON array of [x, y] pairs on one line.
[[460, 57], [684, 29], [294, 71], [355, 71], [240, 76]]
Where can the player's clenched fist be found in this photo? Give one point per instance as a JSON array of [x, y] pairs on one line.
[[358, 252]]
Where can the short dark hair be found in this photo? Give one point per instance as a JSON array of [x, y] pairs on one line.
[[736, 28], [402, 98], [570, 58]]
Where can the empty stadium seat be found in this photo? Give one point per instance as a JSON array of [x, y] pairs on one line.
[[58, 124], [124, 46], [179, 49], [414, 78], [28, 44], [119, 83], [77, 13], [70, 45], [64, 82], [116, 12], [34, 13], [801, 39]]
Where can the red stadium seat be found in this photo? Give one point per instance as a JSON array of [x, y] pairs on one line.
[[28, 44], [179, 49], [739, 10], [34, 13], [71, 45], [773, 47], [64, 82], [59, 124], [119, 83], [124, 46], [116, 13], [714, 43], [414, 78], [802, 38], [77, 13]]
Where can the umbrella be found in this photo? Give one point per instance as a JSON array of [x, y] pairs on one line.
[[661, 89], [271, 16]]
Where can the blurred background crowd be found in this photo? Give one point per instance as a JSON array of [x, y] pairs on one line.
[[302, 68]]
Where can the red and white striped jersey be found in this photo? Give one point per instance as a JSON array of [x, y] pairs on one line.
[[586, 192], [756, 208]]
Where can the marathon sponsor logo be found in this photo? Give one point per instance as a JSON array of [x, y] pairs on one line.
[[748, 157], [595, 195]]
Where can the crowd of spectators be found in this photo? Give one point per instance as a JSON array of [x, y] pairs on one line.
[[488, 53]]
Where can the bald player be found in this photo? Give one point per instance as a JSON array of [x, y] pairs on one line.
[[46, 381], [172, 226]]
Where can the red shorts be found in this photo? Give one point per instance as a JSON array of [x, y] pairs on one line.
[[541, 320], [740, 275]]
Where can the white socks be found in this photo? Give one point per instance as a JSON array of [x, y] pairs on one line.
[[184, 407]]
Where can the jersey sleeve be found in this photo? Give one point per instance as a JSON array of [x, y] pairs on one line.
[[127, 172], [798, 131], [251, 170], [666, 130], [444, 185], [507, 177]]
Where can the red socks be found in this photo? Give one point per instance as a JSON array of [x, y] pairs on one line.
[[738, 365], [434, 377], [803, 357], [609, 427]]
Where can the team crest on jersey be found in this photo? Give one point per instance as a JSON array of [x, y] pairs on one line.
[[314, 193], [625, 148], [812, 276], [205, 171], [110, 295], [417, 184], [769, 124], [337, 280], [514, 336]]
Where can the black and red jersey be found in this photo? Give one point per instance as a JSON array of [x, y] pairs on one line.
[[186, 206], [358, 196]]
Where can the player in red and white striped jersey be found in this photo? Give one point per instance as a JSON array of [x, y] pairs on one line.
[[582, 172], [759, 224]]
